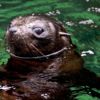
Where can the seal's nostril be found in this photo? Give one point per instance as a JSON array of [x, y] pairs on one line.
[[12, 30]]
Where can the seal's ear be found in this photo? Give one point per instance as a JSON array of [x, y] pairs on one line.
[[65, 38]]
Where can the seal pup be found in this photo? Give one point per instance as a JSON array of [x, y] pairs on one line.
[[43, 62], [45, 42]]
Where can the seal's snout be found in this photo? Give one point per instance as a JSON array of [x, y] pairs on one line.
[[12, 30]]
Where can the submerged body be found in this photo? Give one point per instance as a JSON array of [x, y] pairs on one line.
[[43, 59]]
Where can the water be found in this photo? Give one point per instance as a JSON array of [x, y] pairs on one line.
[[80, 17]]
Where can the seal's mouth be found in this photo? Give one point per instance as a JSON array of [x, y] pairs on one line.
[[23, 48], [48, 56]]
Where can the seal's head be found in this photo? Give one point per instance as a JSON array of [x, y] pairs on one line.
[[35, 35]]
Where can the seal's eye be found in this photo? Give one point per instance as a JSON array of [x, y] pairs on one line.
[[38, 30]]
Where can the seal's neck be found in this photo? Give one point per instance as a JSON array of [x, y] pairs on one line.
[[43, 57], [35, 64], [56, 52]]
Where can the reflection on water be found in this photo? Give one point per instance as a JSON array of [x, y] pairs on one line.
[[85, 53], [80, 17], [94, 9]]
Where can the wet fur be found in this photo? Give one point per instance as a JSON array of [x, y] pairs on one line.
[[53, 77]]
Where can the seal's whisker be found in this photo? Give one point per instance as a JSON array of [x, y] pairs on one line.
[[37, 49], [26, 45]]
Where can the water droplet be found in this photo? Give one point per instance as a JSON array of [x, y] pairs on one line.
[[45, 95]]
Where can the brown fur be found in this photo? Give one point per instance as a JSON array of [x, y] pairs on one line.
[[34, 79]]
